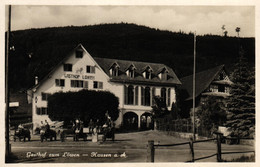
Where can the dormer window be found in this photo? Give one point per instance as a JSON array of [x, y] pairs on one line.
[[148, 73], [163, 75], [131, 71], [114, 69], [79, 53]]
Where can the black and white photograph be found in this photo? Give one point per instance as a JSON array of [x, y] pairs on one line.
[[129, 83]]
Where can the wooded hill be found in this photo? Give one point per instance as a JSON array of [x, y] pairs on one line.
[[48, 46]]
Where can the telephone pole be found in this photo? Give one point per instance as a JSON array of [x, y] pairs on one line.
[[194, 87], [7, 99]]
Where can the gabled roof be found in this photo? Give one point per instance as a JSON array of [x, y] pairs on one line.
[[203, 80], [124, 64], [55, 68], [132, 65], [105, 65]]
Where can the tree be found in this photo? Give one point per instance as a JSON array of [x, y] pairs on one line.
[[159, 109], [211, 114], [223, 29], [225, 33], [241, 103], [85, 104], [238, 30]]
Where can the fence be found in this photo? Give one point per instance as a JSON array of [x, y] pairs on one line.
[[182, 125], [219, 138]]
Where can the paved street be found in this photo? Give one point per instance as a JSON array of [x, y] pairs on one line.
[[128, 147]]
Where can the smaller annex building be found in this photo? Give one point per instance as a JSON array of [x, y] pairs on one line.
[[211, 82], [134, 83]]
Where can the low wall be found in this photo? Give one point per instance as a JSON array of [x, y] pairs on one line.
[[247, 142], [182, 135]]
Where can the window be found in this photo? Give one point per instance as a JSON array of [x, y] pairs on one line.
[[136, 95], [147, 96], [114, 71], [131, 73], [42, 111], [97, 85], [164, 75], [45, 96], [163, 94], [213, 88], [60, 82], [79, 54], [76, 84], [90, 69], [153, 94], [142, 96], [67, 67], [147, 75], [130, 93], [221, 88]]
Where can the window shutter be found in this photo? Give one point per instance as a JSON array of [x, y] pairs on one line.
[[92, 69], [86, 84], [100, 85], [136, 95]]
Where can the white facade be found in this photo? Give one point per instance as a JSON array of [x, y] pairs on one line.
[[79, 73]]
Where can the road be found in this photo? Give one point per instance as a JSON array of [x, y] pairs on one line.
[[128, 147]]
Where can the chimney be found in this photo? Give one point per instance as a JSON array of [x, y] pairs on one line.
[[36, 80]]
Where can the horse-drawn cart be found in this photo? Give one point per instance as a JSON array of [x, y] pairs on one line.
[[22, 134]]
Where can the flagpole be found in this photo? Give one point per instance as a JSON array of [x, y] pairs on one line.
[[7, 142], [194, 87]]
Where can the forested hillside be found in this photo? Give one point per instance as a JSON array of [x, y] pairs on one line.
[[38, 50]]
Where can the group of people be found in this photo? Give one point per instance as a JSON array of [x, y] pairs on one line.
[[45, 127], [78, 125]]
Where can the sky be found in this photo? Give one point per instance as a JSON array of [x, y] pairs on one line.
[[202, 19]]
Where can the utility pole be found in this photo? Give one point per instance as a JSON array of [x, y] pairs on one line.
[[194, 86], [7, 99]]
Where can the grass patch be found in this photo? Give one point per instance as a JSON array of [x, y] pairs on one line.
[[242, 159]]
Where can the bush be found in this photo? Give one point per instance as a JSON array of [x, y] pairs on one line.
[[85, 105]]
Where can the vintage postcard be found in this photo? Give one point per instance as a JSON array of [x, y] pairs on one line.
[[134, 83]]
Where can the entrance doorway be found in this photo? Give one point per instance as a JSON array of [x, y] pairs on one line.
[[146, 121], [130, 121]]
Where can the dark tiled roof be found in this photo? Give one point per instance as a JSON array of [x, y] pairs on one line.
[[106, 64], [203, 80]]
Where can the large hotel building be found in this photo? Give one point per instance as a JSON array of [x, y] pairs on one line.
[[134, 83]]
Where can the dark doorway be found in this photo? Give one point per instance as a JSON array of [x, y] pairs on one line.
[[130, 121]]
